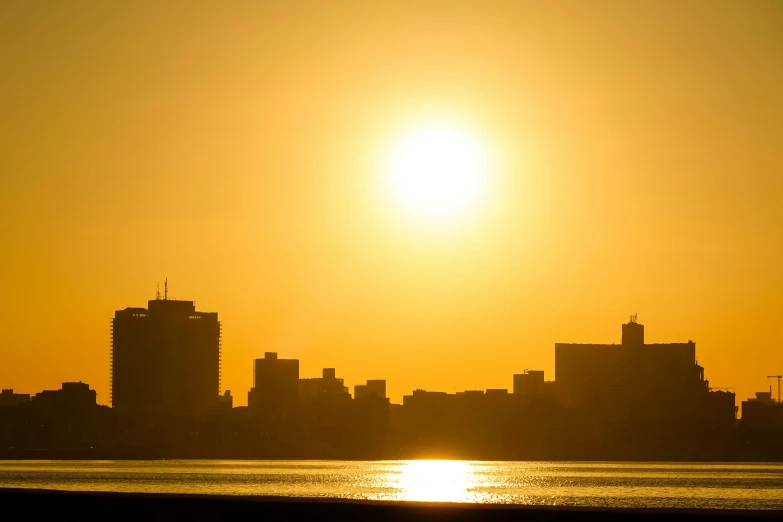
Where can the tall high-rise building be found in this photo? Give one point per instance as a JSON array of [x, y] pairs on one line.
[[165, 359]]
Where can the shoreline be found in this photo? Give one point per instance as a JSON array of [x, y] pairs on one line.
[[89, 455], [23, 503]]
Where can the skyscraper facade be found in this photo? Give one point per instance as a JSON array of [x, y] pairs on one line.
[[165, 359]]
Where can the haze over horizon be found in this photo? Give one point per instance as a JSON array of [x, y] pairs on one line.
[[633, 165]]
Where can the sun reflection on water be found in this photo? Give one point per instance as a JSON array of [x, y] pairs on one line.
[[612, 484], [437, 481]]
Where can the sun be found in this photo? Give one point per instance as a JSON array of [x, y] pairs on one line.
[[437, 170]]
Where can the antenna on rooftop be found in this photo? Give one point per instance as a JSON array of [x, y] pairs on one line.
[[166, 289], [633, 318], [157, 291], [778, 377]]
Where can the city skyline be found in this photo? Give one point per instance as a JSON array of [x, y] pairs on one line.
[[633, 334], [279, 259], [386, 188], [590, 355], [166, 359], [162, 303], [634, 401]]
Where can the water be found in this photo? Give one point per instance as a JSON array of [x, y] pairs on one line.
[[607, 484]]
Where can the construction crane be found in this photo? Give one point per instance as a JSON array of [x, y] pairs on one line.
[[778, 377]]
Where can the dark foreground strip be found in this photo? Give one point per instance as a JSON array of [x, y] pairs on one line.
[[30, 504]]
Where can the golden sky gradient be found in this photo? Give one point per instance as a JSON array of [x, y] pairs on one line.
[[235, 148]]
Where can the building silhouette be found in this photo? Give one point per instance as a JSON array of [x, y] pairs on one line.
[[328, 385], [275, 385], [67, 422], [165, 359], [9, 398], [622, 376], [763, 413], [531, 382], [761, 428], [627, 401], [225, 401], [71, 395], [644, 400], [376, 387]]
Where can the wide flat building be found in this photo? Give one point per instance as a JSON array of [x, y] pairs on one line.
[[634, 379], [9, 398], [71, 395], [165, 359]]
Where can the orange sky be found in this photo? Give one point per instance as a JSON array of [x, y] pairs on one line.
[[233, 147]]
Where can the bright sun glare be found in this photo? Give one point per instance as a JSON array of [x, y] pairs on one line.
[[438, 481], [437, 171]]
